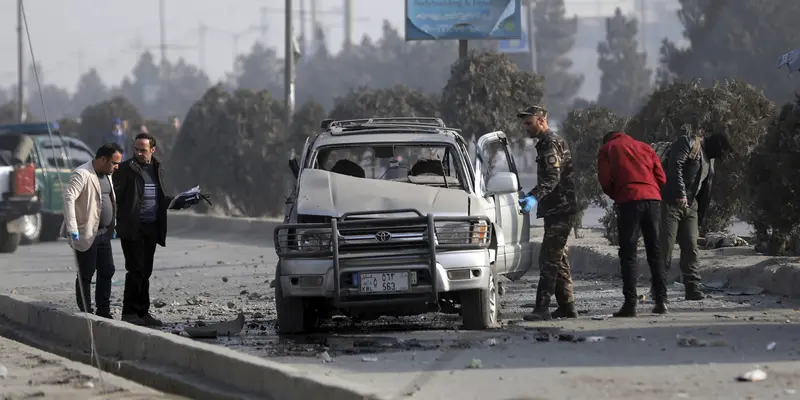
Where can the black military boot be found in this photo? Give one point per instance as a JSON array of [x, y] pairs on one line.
[[542, 310], [565, 311], [693, 293], [628, 310], [660, 308]]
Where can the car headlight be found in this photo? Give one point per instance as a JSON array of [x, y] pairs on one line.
[[311, 241], [462, 233]]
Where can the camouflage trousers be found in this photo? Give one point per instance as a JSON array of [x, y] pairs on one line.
[[555, 276]]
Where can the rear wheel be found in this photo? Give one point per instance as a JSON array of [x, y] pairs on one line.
[[8, 241], [31, 228], [294, 315], [480, 307]]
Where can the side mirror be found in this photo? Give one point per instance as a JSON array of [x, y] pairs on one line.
[[294, 167], [502, 183]]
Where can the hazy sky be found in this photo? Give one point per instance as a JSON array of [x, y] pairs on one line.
[[70, 36]]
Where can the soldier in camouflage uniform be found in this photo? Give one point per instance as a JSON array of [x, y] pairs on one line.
[[555, 194]]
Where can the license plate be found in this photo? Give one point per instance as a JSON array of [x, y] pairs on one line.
[[383, 282]]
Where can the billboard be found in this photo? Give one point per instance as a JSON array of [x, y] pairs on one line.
[[517, 45], [463, 19]]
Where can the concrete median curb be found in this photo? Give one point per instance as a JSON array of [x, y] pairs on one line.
[[186, 222], [778, 276], [166, 361]]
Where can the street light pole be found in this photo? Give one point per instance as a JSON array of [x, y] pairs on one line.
[[20, 65], [288, 78]]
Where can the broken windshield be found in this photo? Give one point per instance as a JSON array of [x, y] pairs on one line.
[[423, 164]]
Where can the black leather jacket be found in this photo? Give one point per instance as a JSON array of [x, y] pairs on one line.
[[129, 188], [684, 173]]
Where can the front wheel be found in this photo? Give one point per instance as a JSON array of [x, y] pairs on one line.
[[480, 307]]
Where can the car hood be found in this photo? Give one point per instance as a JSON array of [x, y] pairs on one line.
[[331, 194]]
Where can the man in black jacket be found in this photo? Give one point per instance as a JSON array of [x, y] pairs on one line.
[[685, 199], [141, 225]]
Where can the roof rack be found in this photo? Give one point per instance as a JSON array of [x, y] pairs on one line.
[[394, 121]]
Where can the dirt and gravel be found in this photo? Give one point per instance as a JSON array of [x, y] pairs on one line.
[[695, 352], [28, 373]]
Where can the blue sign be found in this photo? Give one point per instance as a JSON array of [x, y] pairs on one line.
[[463, 19], [514, 45]]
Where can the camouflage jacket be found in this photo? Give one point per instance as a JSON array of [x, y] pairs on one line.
[[555, 183]]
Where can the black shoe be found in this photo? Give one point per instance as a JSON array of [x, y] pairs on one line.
[[539, 314], [151, 321], [566, 311], [628, 310], [660, 308], [104, 313], [132, 319], [694, 295]]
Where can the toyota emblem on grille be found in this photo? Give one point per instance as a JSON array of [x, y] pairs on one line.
[[383, 236]]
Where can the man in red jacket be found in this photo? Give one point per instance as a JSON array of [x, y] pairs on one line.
[[631, 174]]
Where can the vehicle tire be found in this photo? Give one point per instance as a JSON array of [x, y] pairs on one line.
[[51, 227], [294, 317], [480, 307], [31, 228], [8, 241]]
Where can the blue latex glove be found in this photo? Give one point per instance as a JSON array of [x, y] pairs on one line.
[[75, 236], [114, 236], [527, 203]]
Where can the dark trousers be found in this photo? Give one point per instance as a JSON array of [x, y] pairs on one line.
[[643, 217], [97, 258], [680, 224], [555, 276], [139, 254]]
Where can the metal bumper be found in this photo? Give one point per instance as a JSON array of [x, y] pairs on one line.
[[13, 207], [459, 262]]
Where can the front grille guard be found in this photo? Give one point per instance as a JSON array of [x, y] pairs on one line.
[[331, 240]]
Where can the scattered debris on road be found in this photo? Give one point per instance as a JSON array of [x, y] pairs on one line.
[[772, 346], [476, 363], [211, 331], [691, 341], [755, 375]]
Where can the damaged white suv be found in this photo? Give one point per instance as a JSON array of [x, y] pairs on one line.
[[394, 217]]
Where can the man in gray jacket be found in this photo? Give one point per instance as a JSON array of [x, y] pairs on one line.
[[89, 222], [685, 199]]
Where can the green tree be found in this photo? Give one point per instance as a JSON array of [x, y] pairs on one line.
[[685, 107], [305, 123], [233, 146], [741, 39], [584, 128], [392, 102], [774, 183], [625, 79], [484, 93], [555, 38], [96, 119]]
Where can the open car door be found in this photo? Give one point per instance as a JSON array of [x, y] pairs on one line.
[[497, 180]]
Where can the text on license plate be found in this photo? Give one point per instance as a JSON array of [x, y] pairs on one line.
[[383, 282]]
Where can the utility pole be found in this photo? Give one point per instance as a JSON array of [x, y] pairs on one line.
[[348, 24], [162, 32], [288, 78], [531, 37], [20, 65], [303, 31], [314, 26]]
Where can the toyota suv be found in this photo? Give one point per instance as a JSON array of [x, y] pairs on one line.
[[397, 217]]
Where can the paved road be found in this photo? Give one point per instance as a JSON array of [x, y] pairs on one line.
[[27, 373], [428, 357]]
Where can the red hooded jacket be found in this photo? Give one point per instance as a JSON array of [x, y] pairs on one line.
[[629, 170]]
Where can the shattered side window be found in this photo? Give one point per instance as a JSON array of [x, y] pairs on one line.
[[494, 161]]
